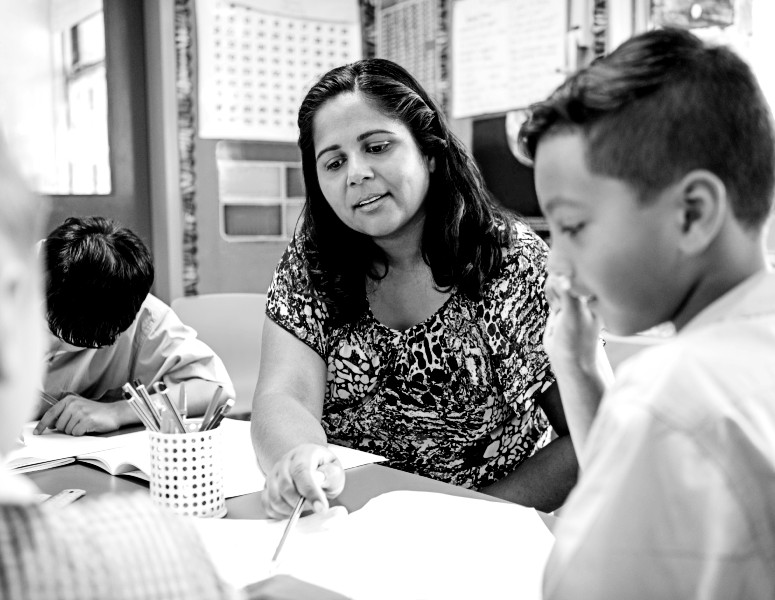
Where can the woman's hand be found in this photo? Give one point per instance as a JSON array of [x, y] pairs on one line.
[[75, 415], [572, 334], [309, 470]]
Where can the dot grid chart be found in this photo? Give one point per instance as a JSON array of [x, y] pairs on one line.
[[255, 67]]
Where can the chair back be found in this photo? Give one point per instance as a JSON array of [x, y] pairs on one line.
[[231, 324]]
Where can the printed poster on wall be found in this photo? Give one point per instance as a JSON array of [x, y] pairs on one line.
[[258, 58], [506, 54]]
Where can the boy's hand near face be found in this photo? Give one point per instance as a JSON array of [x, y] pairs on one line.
[[76, 415], [572, 342], [572, 335]]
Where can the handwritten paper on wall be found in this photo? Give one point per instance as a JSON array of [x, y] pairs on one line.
[[506, 54], [258, 58]]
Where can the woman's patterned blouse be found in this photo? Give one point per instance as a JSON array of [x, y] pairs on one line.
[[453, 397]]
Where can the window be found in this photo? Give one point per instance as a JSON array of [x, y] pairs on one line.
[[258, 199], [55, 111]]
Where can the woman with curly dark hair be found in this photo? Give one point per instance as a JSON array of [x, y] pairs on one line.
[[406, 316]]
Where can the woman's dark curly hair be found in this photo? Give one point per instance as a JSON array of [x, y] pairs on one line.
[[97, 276], [464, 231]]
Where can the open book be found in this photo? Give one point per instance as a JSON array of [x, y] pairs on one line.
[[129, 454], [132, 459], [51, 448]]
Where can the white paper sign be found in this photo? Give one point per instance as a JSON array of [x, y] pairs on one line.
[[506, 54]]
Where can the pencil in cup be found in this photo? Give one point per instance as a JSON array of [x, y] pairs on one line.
[[146, 397], [145, 413]]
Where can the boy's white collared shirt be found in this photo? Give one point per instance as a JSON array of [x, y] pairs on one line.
[[157, 345], [678, 494]]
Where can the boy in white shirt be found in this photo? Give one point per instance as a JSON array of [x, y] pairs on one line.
[[107, 329], [654, 167]]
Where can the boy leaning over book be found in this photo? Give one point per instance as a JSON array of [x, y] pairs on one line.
[[107, 329], [117, 547], [654, 168]]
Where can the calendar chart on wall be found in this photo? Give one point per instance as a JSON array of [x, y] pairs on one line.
[[258, 58], [406, 34]]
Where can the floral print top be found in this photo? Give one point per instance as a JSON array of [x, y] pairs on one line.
[[452, 397]]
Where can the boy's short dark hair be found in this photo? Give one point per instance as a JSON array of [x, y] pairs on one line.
[[660, 105], [97, 276]]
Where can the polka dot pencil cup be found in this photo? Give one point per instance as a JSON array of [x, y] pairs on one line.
[[187, 471]]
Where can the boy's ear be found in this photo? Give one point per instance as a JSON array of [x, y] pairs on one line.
[[702, 209]]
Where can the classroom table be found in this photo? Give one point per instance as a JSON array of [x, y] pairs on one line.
[[363, 483]]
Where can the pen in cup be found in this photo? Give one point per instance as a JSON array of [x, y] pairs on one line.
[[218, 416], [177, 420], [211, 407]]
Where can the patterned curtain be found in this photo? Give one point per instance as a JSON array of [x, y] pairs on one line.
[[184, 86]]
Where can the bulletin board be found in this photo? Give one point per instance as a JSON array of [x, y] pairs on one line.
[[506, 54], [258, 58]]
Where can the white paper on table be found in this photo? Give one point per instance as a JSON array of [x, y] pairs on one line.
[[402, 544], [242, 549]]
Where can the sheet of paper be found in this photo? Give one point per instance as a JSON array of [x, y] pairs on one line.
[[400, 545], [506, 54], [242, 549]]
